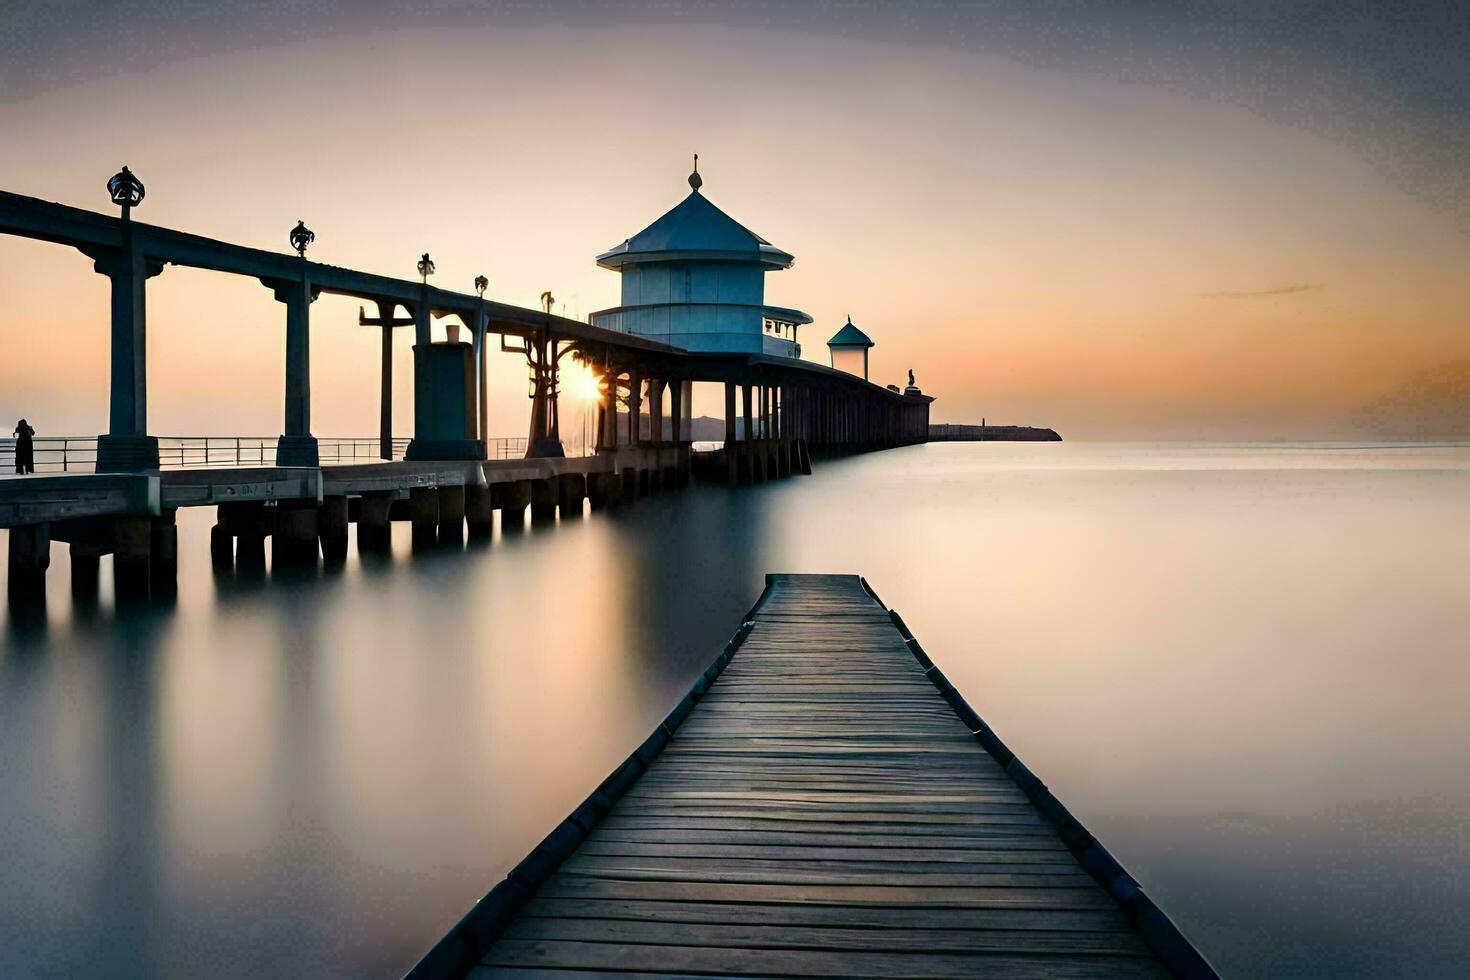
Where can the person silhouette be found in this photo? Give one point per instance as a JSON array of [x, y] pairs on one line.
[[25, 448]]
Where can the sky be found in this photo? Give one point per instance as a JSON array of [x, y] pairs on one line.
[[1189, 220]]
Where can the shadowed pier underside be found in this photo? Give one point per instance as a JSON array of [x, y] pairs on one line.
[[824, 811]]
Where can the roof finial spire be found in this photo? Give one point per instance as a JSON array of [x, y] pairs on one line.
[[849, 318], [696, 181]]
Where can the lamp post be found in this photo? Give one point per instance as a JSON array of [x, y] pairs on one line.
[[126, 190], [425, 267]]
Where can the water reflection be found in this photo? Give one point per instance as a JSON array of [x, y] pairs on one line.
[[1242, 665]]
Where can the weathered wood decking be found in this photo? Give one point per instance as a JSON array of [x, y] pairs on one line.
[[824, 811]]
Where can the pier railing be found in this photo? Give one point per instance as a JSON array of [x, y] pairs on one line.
[[78, 454]]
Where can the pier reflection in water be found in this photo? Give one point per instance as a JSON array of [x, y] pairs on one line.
[[1242, 666]]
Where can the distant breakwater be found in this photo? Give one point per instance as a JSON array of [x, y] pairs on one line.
[[992, 433]]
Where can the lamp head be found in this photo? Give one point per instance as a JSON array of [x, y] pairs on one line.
[[301, 236]]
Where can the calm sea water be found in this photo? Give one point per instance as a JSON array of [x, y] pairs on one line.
[[1247, 668]]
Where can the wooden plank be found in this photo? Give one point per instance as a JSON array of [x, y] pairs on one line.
[[822, 812], [900, 940], [837, 916], [811, 963]]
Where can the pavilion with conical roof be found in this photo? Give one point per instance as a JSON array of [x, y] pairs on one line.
[[695, 278], [848, 350]]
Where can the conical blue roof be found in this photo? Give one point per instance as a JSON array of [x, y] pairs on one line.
[[695, 229], [850, 336]]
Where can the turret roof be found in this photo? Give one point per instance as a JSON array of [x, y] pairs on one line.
[[695, 228], [850, 336]]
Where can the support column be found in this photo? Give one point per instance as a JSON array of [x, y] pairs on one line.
[[635, 408], [127, 447], [451, 514], [607, 437], [30, 556], [482, 425], [163, 557], [423, 515], [732, 446], [297, 446], [385, 407], [656, 412], [747, 445], [676, 411], [373, 522], [333, 528], [130, 552], [478, 514]]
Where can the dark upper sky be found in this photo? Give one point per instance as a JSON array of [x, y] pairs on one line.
[[1394, 76]]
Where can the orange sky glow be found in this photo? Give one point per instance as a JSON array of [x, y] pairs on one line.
[[1041, 246]]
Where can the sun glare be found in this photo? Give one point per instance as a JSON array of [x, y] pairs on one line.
[[581, 382]]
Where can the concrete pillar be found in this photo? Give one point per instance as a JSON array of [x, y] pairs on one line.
[[478, 512], [132, 537], [571, 488], [656, 412], [732, 446], [30, 556], [250, 551], [385, 398], [423, 396], [606, 411], [543, 501], [374, 530], [221, 549], [603, 489], [294, 537], [451, 514], [333, 522], [163, 554], [511, 499], [747, 456], [127, 447], [635, 407], [629, 479], [85, 564], [297, 446], [676, 412], [423, 515], [482, 423]]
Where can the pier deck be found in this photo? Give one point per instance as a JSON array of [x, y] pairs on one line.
[[823, 811]]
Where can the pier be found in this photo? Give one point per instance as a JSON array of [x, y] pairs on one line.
[[822, 802], [118, 493]]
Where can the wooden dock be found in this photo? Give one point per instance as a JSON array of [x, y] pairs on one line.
[[831, 807]]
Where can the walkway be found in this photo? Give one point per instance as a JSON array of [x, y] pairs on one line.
[[824, 811]]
